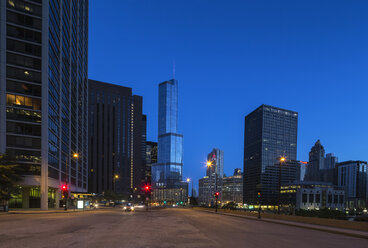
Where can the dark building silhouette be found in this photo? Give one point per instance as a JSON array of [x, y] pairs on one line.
[[316, 162], [270, 133], [117, 131]]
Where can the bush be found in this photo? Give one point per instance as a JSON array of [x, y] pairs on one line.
[[323, 213], [230, 205]]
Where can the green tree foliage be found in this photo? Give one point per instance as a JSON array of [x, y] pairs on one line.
[[9, 177]]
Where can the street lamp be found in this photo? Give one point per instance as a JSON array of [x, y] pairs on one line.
[[282, 160], [74, 155], [188, 181], [116, 176], [209, 165]]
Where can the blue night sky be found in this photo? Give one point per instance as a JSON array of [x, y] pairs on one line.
[[232, 56]]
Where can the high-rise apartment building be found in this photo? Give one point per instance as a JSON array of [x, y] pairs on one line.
[[270, 133], [168, 171], [117, 133], [353, 177], [43, 95]]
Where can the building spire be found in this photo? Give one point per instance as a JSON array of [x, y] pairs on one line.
[[174, 69]]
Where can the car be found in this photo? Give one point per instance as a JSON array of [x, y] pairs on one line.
[[128, 207]]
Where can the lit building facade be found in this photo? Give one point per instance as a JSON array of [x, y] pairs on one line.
[[270, 133], [353, 177], [232, 188], [117, 134], [312, 196], [43, 96], [167, 172]]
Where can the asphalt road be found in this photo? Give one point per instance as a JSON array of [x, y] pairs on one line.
[[158, 228]]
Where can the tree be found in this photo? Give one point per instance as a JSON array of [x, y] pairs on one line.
[[10, 175]]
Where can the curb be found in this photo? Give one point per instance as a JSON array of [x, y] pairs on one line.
[[41, 212], [316, 228]]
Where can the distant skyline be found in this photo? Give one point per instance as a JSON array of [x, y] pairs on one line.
[[307, 56]]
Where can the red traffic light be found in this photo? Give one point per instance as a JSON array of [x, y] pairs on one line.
[[217, 194], [64, 187], [147, 187]]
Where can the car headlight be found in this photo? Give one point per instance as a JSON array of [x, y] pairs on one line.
[[132, 208], [124, 208]]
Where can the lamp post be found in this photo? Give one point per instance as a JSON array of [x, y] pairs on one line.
[[116, 176], [74, 155], [209, 164], [188, 181], [282, 160]]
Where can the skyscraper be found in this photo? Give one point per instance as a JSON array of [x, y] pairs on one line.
[[316, 162], [151, 158], [330, 161], [270, 133], [353, 177], [43, 92], [215, 172], [167, 173], [117, 137]]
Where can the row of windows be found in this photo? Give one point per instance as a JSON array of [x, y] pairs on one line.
[[336, 198], [21, 60], [24, 155], [23, 47], [23, 128], [26, 142], [23, 101], [26, 7], [23, 20], [23, 88], [22, 74], [23, 115], [24, 34]]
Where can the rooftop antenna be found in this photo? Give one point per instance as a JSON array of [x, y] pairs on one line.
[[174, 69]]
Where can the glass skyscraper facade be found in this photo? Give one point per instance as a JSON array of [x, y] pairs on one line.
[[167, 172], [270, 133], [43, 93]]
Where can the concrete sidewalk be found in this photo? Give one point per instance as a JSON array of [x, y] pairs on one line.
[[39, 211], [348, 232]]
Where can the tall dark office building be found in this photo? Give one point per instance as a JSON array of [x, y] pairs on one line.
[[43, 96], [270, 133], [116, 136]]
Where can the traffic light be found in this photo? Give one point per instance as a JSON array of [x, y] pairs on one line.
[[217, 194], [64, 191], [259, 194]]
